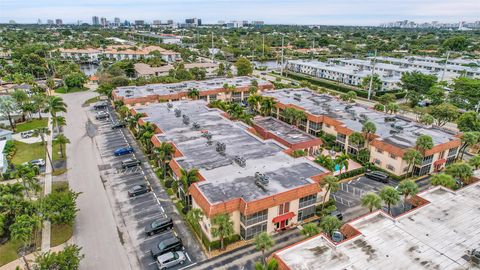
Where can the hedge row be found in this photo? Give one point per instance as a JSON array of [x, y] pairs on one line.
[[352, 173]]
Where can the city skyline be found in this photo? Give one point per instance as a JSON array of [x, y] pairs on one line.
[[343, 12]]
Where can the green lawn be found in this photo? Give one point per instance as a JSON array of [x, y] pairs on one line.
[[63, 90], [32, 124], [26, 152], [60, 234], [91, 100], [8, 251], [56, 152]]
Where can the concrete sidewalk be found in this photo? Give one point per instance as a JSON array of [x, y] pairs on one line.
[[46, 230], [30, 258]]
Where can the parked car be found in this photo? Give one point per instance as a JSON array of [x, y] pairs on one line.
[[377, 176], [123, 151], [118, 125], [37, 162], [130, 162], [170, 259], [138, 190], [337, 236], [26, 134], [337, 214], [168, 245], [102, 115], [158, 225], [100, 106]]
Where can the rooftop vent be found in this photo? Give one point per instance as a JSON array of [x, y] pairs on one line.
[[169, 105], [389, 119], [241, 161], [220, 147], [261, 180], [186, 120], [196, 125], [178, 112]]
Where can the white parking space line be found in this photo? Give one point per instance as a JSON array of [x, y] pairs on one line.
[[188, 266], [188, 257]]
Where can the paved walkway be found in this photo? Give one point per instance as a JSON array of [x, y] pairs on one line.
[[46, 230]]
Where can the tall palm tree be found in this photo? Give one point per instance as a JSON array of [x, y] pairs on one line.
[[371, 201], [266, 105], [8, 107], [55, 104], [61, 140], [28, 176], [424, 143], [21, 98], [187, 178], [133, 121], [254, 101], [407, 188], [59, 120], [330, 184], [164, 153], [468, 139], [264, 242], [145, 133], [413, 158], [222, 228], [23, 230], [39, 102], [42, 132], [390, 196], [368, 130]]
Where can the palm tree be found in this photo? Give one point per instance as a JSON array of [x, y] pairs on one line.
[[468, 139], [21, 99], [424, 143], [342, 162], [254, 101], [357, 140], [56, 104], [23, 230], [331, 184], [164, 153], [193, 93], [390, 196], [461, 170], [392, 107], [310, 229], [145, 133], [407, 188], [328, 224], [475, 162], [443, 179], [194, 216], [326, 161], [222, 227], [371, 201], [235, 110], [61, 140], [271, 265], [263, 242], [39, 102], [133, 121], [60, 121], [28, 175], [413, 158], [266, 105], [368, 130], [187, 178], [42, 132], [8, 107]]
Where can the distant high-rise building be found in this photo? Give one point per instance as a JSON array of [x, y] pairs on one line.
[[58, 22], [103, 21], [157, 22], [12, 22], [116, 21], [258, 23], [193, 22], [49, 21], [170, 22], [126, 23], [139, 22], [39, 21], [95, 20]]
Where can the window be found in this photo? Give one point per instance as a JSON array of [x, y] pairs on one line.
[[377, 161], [307, 200], [341, 137], [283, 208], [379, 150], [405, 169], [393, 156], [390, 167], [250, 232], [306, 213], [327, 125], [452, 151], [254, 218], [427, 160]]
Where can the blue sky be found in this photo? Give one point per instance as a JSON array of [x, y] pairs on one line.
[[344, 12]]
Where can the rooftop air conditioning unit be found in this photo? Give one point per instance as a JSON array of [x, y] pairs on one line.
[[178, 112], [186, 120], [220, 147], [196, 125], [241, 161], [261, 180], [169, 105]]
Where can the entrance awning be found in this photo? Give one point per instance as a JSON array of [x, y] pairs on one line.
[[283, 217], [439, 162]]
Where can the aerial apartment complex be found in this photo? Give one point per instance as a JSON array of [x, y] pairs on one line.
[[118, 52], [440, 233], [145, 70], [209, 90], [254, 180], [394, 136]]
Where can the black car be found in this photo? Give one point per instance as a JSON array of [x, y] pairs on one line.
[[167, 245], [138, 190], [377, 176], [100, 106], [118, 125], [130, 162], [337, 214], [158, 225]]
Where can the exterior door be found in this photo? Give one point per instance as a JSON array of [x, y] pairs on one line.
[[282, 224]]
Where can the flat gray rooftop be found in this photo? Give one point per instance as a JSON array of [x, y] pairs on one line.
[[225, 179], [289, 133], [436, 236], [182, 87], [399, 131]]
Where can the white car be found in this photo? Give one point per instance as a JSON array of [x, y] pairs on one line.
[[26, 134], [38, 162], [170, 259]]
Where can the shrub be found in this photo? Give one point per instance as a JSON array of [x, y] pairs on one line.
[[352, 173], [168, 183]]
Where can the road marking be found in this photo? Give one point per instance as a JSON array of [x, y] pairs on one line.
[[161, 207], [188, 257], [188, 266], [152, 263]]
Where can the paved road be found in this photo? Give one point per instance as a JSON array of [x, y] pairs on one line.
[[95, 228]]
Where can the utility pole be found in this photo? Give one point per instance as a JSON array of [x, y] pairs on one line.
[[371, 75], [445, 66], [281, 70]]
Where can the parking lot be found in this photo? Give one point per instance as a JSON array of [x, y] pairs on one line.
[[139, 211]]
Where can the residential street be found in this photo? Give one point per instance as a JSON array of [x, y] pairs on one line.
[[95, 228]]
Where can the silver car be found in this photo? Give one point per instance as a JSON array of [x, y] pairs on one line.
[[170, 259]]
